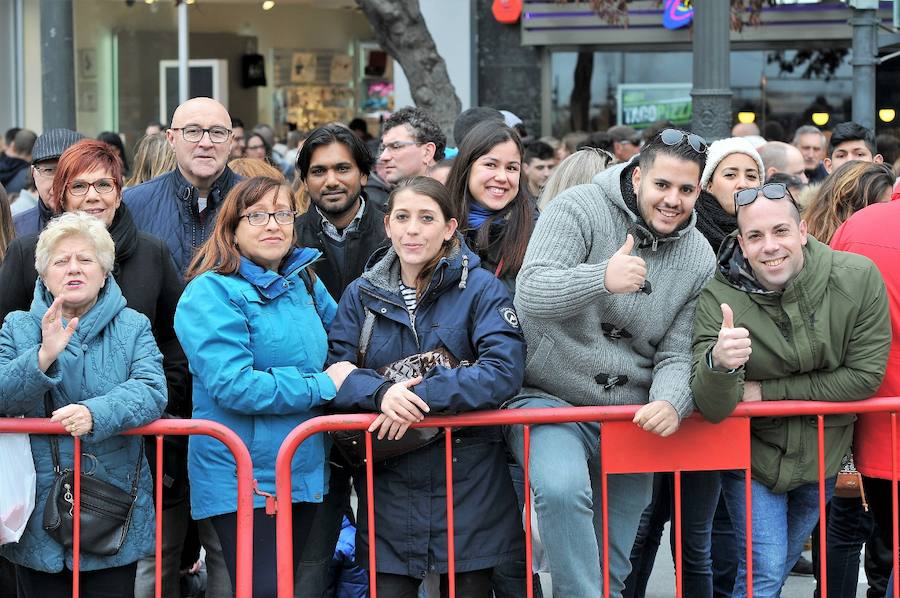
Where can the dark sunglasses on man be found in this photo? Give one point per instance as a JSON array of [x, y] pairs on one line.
[[675, 136], [773, 191]]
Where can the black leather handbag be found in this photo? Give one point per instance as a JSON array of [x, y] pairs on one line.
[[106, 510]]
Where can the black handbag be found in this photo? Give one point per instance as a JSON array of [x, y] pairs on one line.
[[106, 510], [352, 443]]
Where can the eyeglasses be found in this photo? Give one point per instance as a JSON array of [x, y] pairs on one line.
[[45, 170], [193, 134], [262, 218], [101, 186], [256, 147], [772, 191], [674, 137], [396, 146]]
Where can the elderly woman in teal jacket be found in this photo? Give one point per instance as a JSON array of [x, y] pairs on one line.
[[99, 365], [252, 322]]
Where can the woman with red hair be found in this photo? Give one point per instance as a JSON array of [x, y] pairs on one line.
[[88, 179]]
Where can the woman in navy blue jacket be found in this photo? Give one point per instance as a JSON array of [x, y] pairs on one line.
[[427, 292]]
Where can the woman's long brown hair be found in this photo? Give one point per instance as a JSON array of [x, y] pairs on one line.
[[514, 238], [428, 187], [220, 253], [7, 231], [848, 189]]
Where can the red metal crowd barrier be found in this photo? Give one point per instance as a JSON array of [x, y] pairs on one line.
[[166, 427], [624, 448]]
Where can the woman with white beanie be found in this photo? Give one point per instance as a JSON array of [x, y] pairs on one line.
[[732, 164]]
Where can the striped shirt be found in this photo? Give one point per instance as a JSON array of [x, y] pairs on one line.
[[409, 297]]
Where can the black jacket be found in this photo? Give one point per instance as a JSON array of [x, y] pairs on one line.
[[147, 276], [360, 244]]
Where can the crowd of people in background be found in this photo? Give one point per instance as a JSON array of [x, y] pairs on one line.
[[225, 273]]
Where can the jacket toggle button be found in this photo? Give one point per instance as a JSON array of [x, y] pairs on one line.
[[383, 310]]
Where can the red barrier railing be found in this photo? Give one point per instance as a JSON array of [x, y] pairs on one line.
[[624, 448], [165, 427]]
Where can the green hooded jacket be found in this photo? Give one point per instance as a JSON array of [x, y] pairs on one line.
[[826, 337]]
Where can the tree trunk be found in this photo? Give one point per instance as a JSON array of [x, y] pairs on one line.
[[402, 32], [580, 100]]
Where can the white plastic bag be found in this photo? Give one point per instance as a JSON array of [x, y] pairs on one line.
[[17, 480]]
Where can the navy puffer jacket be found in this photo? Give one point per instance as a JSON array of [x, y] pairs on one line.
[[469, 312], [167, 207]]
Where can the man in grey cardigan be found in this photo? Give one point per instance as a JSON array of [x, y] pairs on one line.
[[606, 300]]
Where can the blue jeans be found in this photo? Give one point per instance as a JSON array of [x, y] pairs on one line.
[[565, 477], [724, 552], [700, 495], [781, 525]]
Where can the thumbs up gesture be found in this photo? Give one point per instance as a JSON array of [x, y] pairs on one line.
[[625, 273], [732, 349]]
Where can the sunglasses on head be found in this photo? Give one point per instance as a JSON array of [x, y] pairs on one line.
[[674, 137], [772, 191]]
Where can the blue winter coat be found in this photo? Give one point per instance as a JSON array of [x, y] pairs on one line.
[[256, 346], [111, 366], [469, 312], [167, 207]]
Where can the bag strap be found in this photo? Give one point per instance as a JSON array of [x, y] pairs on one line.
[[306, 277], [365, 335], [54, 449]]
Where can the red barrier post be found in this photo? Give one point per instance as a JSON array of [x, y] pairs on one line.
[[679, 557], [748, 529], [370, 509], [823, 524], [76, 518], [894, 509], [451, 551], [529, 576], [159, 509]]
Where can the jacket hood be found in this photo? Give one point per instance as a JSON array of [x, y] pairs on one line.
[[383, 269], [615, 183], [272, 284], [9, 166], [734, 270], [91, 324]]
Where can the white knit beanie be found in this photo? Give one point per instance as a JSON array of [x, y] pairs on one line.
[[725, 147]]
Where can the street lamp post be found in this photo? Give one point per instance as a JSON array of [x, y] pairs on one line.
[[712, 90], [57, 64], [865, 58]]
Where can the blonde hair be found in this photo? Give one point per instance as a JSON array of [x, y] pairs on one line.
[[578, 169], [75, 224], [254, 167], [152, 157]]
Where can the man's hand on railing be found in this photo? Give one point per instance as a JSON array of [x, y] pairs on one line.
[[658, 417]]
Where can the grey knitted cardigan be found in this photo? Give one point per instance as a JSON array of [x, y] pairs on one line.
[[591, 347]]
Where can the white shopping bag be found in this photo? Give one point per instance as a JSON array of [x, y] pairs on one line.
[[17, 481]]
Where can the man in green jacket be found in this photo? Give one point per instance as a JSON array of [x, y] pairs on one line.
[[785, 317]]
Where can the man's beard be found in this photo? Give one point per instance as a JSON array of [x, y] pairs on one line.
[[339, 208]]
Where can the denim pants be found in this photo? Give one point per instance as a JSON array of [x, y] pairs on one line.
[[724, 551], [781, 525], [699, 497], [565, 478], [508, 580]]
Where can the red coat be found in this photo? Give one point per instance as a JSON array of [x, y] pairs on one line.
[[875, 233]]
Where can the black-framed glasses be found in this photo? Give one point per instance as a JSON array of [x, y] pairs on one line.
[[262, 218], [676, 136], [44, 170], [773, 191], [396, 146], [193, 134], [101, 186]]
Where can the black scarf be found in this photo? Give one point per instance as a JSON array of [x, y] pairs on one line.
[[124, 234], [712, 220]]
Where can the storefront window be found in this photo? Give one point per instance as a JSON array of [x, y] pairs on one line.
[[758, 85]]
